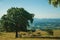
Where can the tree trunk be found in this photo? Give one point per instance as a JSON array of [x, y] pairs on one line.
[[16, 33]]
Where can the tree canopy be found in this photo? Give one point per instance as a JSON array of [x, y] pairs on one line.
[[55, 3], [16, 19]]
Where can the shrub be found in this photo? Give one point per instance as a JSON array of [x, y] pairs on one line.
[[50, 31]]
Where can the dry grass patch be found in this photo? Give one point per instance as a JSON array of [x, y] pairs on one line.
[[56, 33], [11, 36]]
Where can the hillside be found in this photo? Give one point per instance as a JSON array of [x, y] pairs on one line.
[[46, 23]]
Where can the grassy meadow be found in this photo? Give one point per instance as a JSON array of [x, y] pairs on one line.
[[11, 35]]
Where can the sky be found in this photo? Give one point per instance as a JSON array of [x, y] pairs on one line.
[[40, 8]]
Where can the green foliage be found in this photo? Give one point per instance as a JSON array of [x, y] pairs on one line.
[[55, 3], [1, 28], [50, 31], [16, 18]]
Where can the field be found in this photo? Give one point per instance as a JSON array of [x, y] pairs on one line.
[[11, 36]]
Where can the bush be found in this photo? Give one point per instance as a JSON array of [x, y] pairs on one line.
[[50, 31]]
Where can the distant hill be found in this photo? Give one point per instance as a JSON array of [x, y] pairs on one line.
[[46, 23], [46, 20]]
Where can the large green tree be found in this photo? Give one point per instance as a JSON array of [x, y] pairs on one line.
[[55, 3], [17, 19]]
